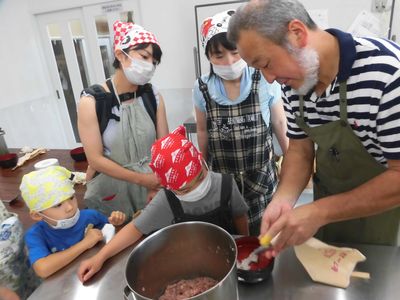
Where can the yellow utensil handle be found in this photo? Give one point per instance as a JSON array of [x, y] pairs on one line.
[[265, 240]]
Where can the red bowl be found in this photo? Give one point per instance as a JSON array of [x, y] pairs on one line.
[[259, 270], [8, 160], [78, 154]]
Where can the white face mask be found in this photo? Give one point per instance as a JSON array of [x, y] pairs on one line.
[[199, 192], [65, 223], [230, 72], [139, 71]]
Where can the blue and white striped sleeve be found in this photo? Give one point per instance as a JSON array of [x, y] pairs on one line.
[[387, 123]]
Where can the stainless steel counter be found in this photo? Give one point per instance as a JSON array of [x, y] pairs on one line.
[[289, 280]]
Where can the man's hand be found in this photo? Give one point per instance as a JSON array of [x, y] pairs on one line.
[[89, 267], [117, 218], [272, 213], [274, 210], [294, 227]]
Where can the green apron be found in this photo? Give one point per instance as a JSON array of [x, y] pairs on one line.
[[342, 164], [135, 133]]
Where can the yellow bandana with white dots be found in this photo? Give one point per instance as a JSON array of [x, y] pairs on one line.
[[46, 188]]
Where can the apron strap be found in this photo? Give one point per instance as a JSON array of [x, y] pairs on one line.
[[301, 107], [175, 206], [256, 77], [204, 90], [226, 191], [343, 101]]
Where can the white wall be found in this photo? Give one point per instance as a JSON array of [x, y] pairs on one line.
[[396, 22], [19, 55], [27, 109], [27, 103]]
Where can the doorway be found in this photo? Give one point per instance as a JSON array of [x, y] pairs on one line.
[[78, 49]]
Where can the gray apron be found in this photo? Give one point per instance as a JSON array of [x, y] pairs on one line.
[[342, 164], [135, 133]]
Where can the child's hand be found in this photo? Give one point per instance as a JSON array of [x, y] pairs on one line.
[[117, 218], [89, 267], [92, 237]]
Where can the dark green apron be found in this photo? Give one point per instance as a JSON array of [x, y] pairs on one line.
[[342, 164]]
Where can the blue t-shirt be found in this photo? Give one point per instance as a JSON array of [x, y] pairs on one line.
[[43, 240], [269, 94]]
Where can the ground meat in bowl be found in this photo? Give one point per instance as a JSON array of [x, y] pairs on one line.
[[184, 289]]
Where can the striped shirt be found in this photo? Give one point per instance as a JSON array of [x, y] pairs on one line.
[[371, 67]]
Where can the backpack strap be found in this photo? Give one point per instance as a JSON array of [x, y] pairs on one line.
[[175, 206], [106, 101], [149, 101], [104, 104]]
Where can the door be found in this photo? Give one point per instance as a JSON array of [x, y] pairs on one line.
[[394, 33], [77, 45]]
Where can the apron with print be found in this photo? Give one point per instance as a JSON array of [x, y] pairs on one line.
[[240, 143], [135, 133], [15, 272], [342, 164]]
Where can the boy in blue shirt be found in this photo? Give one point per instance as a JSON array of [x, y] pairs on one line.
[[63, 231]]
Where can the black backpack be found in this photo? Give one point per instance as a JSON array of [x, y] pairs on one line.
[[105, 101]]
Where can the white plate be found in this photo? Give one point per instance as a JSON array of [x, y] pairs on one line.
[[46, 163]]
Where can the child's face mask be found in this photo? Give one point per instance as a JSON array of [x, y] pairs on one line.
[[64, 223], [199, 192]]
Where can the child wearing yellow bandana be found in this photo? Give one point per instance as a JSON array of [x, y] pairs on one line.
[[59, 235]]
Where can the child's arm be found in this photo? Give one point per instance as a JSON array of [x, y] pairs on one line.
[[7, 294], [124, 238], [242, 224], [117, 218], [46, 266]]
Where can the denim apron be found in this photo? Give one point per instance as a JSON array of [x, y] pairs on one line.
[[135, 133], [342, 164]]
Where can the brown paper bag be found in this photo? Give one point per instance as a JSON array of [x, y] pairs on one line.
[[328, 264]]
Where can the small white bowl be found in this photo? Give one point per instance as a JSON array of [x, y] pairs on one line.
[[46, 163]]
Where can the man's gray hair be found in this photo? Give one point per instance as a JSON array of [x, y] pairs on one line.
[[269, 18]]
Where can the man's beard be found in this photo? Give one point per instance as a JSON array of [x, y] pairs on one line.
[[308, 59]]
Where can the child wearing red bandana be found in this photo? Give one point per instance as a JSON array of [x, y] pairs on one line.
[[191, 193]]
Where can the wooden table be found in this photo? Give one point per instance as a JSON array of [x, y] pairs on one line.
[[11, 179]]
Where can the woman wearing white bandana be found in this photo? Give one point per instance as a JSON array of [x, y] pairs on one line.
[[118, 136], [236, 111]]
